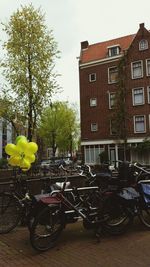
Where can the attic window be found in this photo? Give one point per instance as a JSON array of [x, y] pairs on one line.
[[143, 44], [113, 51]]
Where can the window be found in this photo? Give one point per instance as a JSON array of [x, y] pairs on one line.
[[143, 44], [93, 102], [92, 154], [137, 69], [112, 75], [92, 77], [148, 67], [138, 96], [112, 128], [112, 100], [4, 127], [113, 51], [148, 94], [139, 124], [94, 127]]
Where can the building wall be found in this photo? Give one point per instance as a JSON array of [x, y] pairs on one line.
[[100, 90], [133, 55]]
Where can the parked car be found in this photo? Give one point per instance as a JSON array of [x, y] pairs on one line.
[[68, 161], [46, 163]]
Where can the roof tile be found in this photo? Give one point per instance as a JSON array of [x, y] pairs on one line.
[[99, 51]]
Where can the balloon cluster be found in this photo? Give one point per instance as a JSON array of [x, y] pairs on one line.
[[22, 154]]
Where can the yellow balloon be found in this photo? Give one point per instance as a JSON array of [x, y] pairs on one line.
[[19, 137], [10, 149], [25, 164], [14, 160], [22, 144], [17, 160], [30, 157], [31, 148]]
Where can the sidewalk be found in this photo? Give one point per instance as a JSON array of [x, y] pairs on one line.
[[77, 247]]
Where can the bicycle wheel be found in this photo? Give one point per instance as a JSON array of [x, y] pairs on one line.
[[118, 218], [145, 216], [10, 212], [46, 228]]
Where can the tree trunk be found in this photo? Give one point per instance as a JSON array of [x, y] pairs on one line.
[[30, 95], [30, 125], [54, 143]]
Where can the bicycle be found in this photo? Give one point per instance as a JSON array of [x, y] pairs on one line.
[[13, 205], [17, 205], [125, 189], [57, 211]]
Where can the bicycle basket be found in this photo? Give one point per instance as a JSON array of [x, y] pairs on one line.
[[145, 188]]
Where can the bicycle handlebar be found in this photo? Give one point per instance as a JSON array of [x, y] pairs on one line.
[[141, 169]]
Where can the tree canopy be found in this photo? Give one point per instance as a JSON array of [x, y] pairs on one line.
[[59, 127], [11, 114], [29, 62]]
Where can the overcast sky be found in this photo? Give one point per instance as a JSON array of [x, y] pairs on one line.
[[74, 21]]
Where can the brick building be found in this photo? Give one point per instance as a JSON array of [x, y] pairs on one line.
[[99, 77]]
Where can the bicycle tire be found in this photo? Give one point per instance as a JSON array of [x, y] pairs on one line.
[[46, 228], [118, 218], [145, 216], [10, 212]]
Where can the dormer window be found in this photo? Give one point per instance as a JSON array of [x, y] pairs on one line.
[[113, 50], [143, 44]]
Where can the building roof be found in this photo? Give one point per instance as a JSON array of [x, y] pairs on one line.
[[99, 51]]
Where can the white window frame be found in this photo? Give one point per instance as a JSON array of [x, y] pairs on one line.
[[96, 151], [110, 48], [147, 73], [132, 72], [94, 127], [134, 118], [109, 81], [90, 77], [133, 94], [148, 94], [110, 99], [143, 45], [93, 102]]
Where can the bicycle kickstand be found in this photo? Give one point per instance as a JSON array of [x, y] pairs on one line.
[[98, 233]]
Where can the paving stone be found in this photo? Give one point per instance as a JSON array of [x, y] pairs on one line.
[[78, 247]]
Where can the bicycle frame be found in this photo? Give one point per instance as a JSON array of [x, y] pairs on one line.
[[57, 197]]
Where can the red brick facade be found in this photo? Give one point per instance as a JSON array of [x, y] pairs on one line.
[[97, 62]]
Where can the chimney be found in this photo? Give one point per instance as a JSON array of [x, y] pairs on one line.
[[141, 25], [84, 45]]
